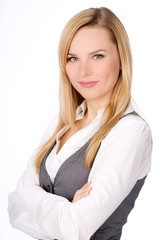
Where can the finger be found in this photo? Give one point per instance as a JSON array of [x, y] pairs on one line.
[[80, 196], [83, 190], [86, 185], [83, 193]]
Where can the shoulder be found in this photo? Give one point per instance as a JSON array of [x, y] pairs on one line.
[[131, 133], [131, 126], [129, 145]]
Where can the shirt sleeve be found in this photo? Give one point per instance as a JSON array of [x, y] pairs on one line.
[[123, 158]]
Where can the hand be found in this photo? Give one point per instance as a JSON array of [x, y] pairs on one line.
[[83, 192]]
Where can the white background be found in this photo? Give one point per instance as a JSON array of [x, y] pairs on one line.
[[29, 36]]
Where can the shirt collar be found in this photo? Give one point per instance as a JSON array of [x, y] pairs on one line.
[[131, 108], [81, 109]]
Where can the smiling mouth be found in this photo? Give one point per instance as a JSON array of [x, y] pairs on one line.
[[88, 84]]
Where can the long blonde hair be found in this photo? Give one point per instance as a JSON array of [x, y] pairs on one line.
[[70, 98]]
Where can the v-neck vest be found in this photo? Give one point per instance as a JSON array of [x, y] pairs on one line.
[[71, 176]]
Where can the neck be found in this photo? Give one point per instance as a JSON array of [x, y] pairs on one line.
[[93, 107]]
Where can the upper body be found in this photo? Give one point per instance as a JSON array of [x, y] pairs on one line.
[[123, 158], [95, 66]]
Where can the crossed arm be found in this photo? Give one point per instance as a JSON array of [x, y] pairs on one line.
[[123, 158]]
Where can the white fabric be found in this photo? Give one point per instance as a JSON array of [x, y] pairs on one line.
[[54, 161], [123, 158]]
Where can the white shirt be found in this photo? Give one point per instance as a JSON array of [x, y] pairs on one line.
[[123, 157], [75, 142]]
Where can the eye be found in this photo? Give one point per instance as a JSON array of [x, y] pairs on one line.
[[98, 56], [72, 59]]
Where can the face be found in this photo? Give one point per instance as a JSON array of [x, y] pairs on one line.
[[93, 64]]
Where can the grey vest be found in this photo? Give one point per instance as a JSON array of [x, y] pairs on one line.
[[71, 176]]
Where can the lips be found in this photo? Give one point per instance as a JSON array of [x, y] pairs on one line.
[[88, 84]]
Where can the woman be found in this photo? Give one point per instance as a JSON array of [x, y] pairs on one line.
[[94, 158]]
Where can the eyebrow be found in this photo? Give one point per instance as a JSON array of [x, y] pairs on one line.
[[98, 50]]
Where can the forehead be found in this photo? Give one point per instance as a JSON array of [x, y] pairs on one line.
[[91, 38]]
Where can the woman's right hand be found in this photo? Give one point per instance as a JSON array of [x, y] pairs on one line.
[[83, 192]]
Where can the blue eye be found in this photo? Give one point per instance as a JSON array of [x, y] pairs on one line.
[[98, 56], [72, 59]]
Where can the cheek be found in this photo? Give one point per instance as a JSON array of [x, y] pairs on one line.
[[72, 75], [111, 69], [70, 72]]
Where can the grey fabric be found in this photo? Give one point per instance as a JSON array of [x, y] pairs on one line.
[[71, 176]]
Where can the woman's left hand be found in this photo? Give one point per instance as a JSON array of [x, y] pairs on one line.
[[83, 192]]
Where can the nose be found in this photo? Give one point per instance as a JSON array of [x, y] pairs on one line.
[[85, 68]]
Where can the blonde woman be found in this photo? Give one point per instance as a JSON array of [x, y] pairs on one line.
[[94, 157]]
